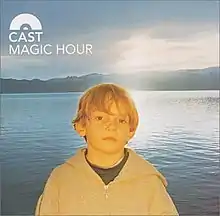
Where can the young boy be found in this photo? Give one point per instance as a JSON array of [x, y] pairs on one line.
[[106, 177]]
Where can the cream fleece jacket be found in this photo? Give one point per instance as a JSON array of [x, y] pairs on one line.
[[73, 188]]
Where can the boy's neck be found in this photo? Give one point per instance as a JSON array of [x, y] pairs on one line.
[[103, 160]]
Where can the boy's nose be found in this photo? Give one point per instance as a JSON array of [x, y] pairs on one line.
[[111, 125]]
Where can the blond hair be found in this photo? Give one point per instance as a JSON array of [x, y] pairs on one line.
[[100, 97]]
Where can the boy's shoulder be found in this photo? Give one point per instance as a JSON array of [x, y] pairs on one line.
[[144, 167], [68, 167]]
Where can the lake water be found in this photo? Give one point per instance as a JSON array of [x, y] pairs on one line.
[[178, 133]]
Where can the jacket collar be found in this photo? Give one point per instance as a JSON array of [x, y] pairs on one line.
[[135, 167]]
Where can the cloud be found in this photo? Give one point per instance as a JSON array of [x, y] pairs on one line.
[[167, 46], [20, 62], [181, 30], [157, 48]]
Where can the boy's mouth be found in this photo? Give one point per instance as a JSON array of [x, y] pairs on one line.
[[110, 138]]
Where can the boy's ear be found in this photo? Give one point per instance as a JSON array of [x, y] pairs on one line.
[[131, 134], [79, 129]]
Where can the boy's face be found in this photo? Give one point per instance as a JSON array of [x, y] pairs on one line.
[[105, 132]]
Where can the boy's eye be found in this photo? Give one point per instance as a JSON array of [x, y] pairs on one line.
[[98, 118], [122, 121]]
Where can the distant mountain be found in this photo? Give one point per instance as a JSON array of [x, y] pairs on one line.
[[196, 79]]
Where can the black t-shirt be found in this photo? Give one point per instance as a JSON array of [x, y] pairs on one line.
[[109, 174]]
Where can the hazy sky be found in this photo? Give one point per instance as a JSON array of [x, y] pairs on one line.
[[127, 36]]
